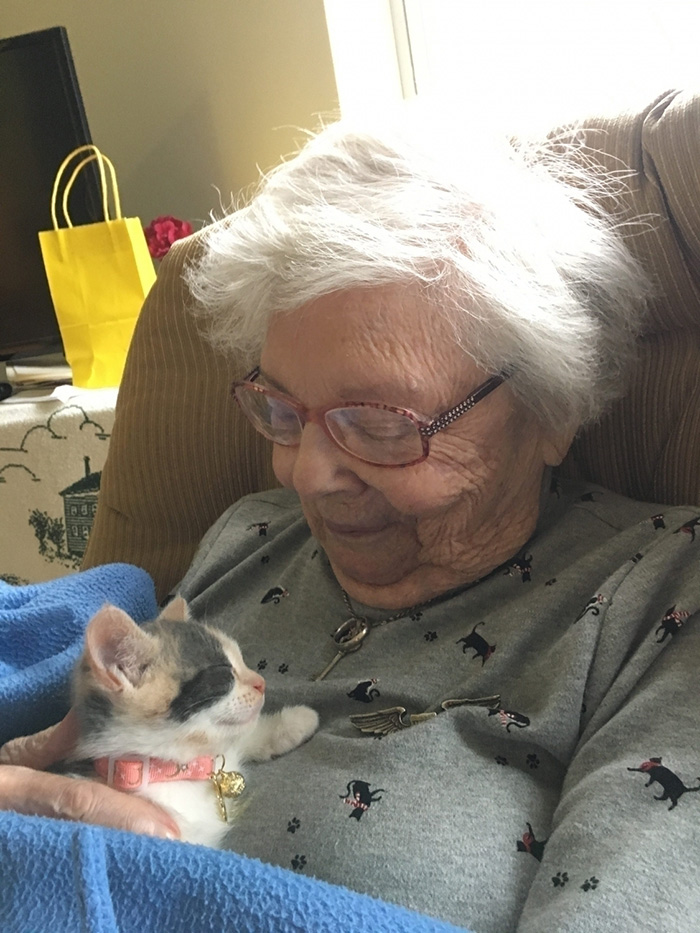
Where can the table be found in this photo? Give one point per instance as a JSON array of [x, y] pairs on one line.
[[53, 445]]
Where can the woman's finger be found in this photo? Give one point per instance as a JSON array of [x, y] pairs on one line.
[[43, 748], [37, 793]]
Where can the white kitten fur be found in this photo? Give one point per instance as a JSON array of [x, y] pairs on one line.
[[193, 803]]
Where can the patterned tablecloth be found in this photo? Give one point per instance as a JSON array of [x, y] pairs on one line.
[[52, 450]]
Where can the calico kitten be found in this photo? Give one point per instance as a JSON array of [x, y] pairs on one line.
[[160, 704]]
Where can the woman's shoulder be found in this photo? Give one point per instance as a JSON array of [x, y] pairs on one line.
[[269, 518], [280, 504], [267, 512], [611, 508]]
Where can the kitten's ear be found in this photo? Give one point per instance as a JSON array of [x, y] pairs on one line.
[[177, 610], [116, 649]]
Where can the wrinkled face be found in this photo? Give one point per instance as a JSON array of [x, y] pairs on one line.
[[399, 536]]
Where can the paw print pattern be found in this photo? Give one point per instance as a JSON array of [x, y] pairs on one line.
[[430, 636], [265, 559], [590, 884], [560, 879], [262, 664], [293, 825], [533, 761], [550, 582], [299, 862], [501, 760], [283, 668]]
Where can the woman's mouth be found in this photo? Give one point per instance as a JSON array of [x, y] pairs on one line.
[[347, 530]]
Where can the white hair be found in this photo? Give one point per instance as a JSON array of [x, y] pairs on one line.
[[508, 242]]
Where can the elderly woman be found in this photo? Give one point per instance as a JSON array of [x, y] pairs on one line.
[[488, 648]]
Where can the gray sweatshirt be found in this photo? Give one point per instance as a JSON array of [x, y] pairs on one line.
[[562, 801]]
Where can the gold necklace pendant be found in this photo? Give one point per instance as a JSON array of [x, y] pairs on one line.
[[351, 634], [348, 637], [227, 784]]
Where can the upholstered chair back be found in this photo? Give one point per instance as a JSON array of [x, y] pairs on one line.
[[648, 446]]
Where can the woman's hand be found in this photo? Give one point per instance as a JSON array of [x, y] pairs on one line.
[[26, 788]]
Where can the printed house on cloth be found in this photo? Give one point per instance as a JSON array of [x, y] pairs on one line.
[[51, 458], [79, 508]]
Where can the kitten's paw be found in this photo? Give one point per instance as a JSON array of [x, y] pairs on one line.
[[278, 733], [298, 724]]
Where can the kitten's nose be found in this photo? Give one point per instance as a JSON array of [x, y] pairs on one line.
[[258, 683]]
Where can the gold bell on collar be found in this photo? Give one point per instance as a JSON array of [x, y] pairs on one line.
[[227, 784]]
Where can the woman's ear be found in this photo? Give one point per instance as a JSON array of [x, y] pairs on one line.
[[556, 444], [116, 649]]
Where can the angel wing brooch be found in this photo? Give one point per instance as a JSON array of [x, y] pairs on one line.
[[395, 718]]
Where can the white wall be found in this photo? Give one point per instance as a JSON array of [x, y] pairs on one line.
[[189, 95]]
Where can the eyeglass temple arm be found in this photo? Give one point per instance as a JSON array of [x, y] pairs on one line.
[[447, 417]]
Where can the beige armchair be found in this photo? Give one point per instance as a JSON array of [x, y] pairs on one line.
[[180, 452]]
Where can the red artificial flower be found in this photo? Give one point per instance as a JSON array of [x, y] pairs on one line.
[[162, 232]]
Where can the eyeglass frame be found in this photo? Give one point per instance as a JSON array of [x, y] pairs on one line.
[[427, 427]]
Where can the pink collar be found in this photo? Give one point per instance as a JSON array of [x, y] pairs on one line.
[[138, 771]]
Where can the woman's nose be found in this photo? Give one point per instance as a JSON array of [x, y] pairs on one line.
[[318, 466]]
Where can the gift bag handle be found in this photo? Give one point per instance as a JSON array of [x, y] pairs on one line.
[[101, 159], [115, 189]]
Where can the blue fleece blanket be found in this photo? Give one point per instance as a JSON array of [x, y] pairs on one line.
[[69, 877]]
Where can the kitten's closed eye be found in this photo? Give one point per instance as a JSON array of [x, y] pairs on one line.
[[202, 691]]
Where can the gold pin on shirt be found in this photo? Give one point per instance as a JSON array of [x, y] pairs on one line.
[[385, 721]]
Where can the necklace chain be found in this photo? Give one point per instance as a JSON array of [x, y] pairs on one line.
[[401, 614], [350, 635]]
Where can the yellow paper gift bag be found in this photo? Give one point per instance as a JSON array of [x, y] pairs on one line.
[[99, 275]]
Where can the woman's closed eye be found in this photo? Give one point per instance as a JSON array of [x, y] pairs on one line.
[[373, 424], [281, 417]]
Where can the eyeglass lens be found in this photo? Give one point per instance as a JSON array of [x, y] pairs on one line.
[[373, 434], [275, 419]]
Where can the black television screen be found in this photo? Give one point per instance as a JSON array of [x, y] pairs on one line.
[[42, 119]]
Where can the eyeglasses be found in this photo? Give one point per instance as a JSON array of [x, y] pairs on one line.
[[382, 435]]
